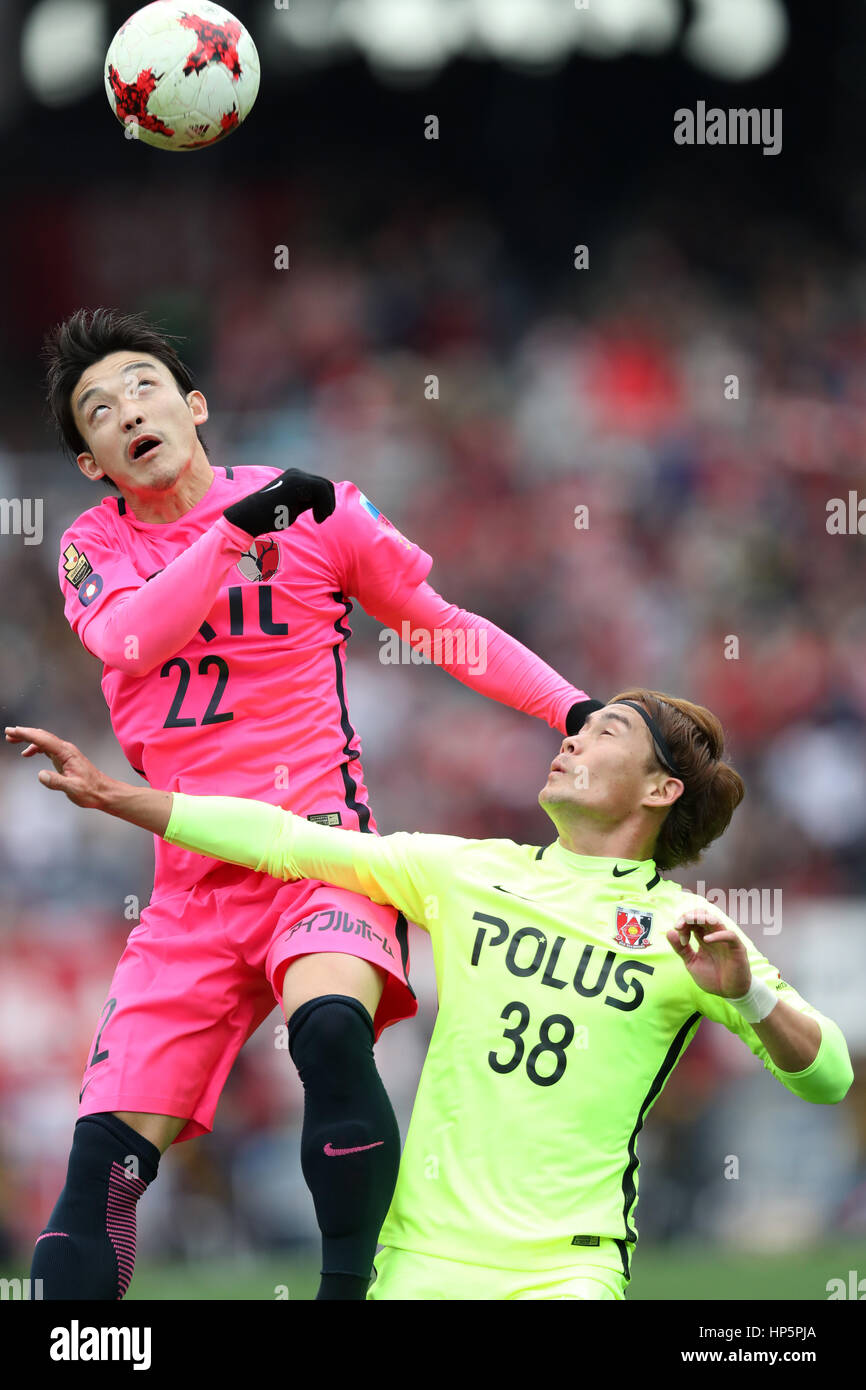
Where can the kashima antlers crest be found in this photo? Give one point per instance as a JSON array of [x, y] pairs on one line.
[[633, 926], [261, 562]]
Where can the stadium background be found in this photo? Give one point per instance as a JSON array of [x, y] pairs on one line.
[[558, 388]]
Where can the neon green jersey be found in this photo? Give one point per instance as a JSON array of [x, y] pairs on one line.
[[563, 1010]]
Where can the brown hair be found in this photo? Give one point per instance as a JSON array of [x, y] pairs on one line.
[[712, 789], [86, 337]]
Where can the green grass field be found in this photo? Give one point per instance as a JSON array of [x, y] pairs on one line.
[[676, 1273]]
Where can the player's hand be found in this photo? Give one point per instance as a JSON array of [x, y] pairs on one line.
[[83, 783], [579, 713], [280, 502], [720, 964]]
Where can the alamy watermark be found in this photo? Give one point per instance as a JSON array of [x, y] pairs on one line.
[[846, 517], [22, 516], [442, 646], [736, 126], [753, 907], [77, 1343], [23, 1289], [854, 1287]]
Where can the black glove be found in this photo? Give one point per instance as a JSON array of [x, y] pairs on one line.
[[294, 491], [578, 713]]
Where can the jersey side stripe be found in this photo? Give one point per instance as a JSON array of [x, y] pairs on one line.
[[629, 1190], [401, 931], [622, 1247], [362, 812]]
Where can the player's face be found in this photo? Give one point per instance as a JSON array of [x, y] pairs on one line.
[[607, 770], [139, 430]]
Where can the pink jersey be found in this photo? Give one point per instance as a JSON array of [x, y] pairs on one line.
[[225, 674]]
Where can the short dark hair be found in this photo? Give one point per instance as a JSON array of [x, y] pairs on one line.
[[86, 337], [712, 788]]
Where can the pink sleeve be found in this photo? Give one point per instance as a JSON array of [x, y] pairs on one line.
[[132, 623], [372, 560], [481, 655]]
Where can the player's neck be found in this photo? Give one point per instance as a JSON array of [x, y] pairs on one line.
[[607, 842], [164, 507]]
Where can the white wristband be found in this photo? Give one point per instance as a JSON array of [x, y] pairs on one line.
[[757, 1004]]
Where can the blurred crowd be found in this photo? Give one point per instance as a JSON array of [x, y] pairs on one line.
[[704, 431]]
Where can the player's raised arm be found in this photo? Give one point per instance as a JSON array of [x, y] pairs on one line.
[[803, 1049], [387, 573], [482, 656], [132, 624]]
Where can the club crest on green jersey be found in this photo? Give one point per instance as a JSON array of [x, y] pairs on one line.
[[633, 926]]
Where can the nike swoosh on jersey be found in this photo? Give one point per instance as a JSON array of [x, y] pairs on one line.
[[512, 893], [621, 873]]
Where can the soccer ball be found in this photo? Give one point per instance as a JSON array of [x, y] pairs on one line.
[[181, 76]]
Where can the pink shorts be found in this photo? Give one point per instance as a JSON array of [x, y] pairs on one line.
[[201, 972]]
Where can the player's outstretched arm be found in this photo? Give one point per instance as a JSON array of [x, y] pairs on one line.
[[395, 869], [408, 871], [86, 786], [386, 573], [487, 659]]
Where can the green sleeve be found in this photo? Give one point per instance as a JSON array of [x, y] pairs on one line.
[[400, 869], [829, 1077]]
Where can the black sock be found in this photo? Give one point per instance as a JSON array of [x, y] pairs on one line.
[[350, 1144], [87, 1249]]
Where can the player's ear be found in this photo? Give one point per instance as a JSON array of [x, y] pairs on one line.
[[89, 467], [198, 406], [670, 791], [664, 793]]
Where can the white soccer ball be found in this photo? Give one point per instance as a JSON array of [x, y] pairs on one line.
[[181, 76]]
